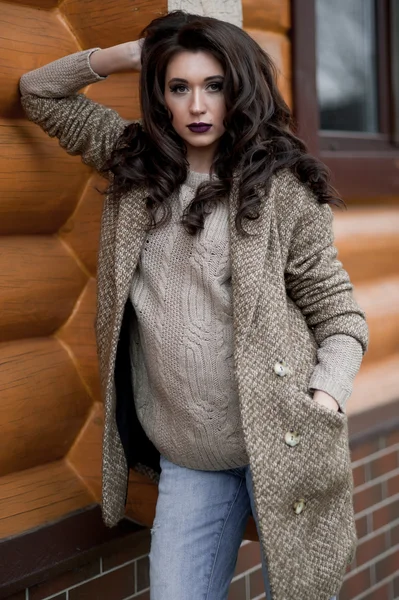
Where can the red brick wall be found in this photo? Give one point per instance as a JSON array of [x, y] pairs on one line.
[[125, 575], [374, 574]]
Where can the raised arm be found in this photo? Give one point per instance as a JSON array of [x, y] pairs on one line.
[[83, 127]]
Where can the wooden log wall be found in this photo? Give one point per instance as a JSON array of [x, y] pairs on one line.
[[50, 410], [368, 241]]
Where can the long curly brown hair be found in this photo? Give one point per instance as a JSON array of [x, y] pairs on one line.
[[258, 140]]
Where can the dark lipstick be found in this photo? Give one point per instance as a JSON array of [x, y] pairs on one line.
[[199, 127]]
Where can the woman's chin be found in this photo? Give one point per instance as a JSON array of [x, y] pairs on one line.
[[202, 142]]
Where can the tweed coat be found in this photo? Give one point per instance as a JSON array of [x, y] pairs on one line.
[[290, 292]]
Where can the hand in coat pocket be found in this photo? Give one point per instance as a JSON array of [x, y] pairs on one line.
[[326, 400]]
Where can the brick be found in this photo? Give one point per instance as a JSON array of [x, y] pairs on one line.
[[382, 442], [143, 573], [52, 586], [256, 583], [17, 596], [364, 450], [367, 498], [381, 593], [237, 590], [355, 585], [387, 566], [361, 527], [369, 549], [359, 475], [115, 585], [133, 548], [385, 515], [383, 464], [393, 485], [143, 596], [248, 557], [396, 587], [392, 438], [395, 535]]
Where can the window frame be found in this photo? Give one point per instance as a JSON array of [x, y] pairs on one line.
[[362, 164]]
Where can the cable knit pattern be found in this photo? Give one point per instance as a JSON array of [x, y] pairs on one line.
[[183, 367], [290, 294]]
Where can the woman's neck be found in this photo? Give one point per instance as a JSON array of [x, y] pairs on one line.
[[199, 167], [200, 159]]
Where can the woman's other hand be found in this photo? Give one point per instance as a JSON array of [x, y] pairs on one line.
[[136, 53], [326, 400], [117, 59]]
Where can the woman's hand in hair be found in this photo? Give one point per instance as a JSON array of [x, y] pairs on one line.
[[136, 53]]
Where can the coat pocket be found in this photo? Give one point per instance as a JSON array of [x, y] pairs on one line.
[[308, 396], [302, 475], [319, 457], [319, 466]]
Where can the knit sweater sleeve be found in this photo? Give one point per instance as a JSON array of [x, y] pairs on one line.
[[83, 127], [339, 359]]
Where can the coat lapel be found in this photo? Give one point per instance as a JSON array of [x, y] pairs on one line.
[[247, 255], [130, 235]]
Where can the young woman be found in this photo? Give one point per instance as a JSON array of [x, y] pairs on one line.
[[228, 336]]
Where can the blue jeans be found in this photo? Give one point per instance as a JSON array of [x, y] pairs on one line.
[[198, 528]]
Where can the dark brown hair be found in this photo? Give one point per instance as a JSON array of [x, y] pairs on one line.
[[258, 140]]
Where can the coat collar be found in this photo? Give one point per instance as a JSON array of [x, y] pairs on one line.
[[247, 253]]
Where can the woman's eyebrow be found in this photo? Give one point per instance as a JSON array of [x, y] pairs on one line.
[[180, 80]]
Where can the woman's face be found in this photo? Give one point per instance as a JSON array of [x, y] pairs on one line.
[[194, 94]]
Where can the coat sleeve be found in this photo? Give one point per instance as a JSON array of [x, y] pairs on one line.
[[316, 280], [83, 127]]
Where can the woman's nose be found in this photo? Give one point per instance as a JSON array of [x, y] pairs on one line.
[[197, 103]]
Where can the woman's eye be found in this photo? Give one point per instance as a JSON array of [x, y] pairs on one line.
[[216, 87], [178, 88]]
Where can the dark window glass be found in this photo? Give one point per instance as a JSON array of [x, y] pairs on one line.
[[395, 67], [346, 65]]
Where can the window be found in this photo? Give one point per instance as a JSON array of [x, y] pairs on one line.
[[346, 66], [346, 90], [395, 66]]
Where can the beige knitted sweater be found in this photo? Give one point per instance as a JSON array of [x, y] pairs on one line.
[[182, 350]]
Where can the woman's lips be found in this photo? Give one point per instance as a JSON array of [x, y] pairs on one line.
[[199, 128]]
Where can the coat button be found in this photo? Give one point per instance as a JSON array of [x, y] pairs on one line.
[[281, 369], [292, 438], [299, 505]]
